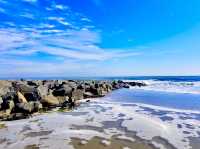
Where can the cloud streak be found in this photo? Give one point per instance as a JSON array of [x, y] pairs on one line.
[[53, 44]]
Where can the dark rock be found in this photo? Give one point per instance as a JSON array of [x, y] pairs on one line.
[[81, 86], [16, 116], [89, 95], [64, 90], [7, 107], [9, 96], [30, 93], [140, 84], [31, 83]]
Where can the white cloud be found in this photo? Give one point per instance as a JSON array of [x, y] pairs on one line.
[[61, 7], [80, 45], [10, 39], [71, 50], [46, 25], [85, 19], [27, 15], [59, 20], [32, 1]]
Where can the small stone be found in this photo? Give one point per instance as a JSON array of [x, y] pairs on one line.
[[83, 142], [126, 147], [105, 142]]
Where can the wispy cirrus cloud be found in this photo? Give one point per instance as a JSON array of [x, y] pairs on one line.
[[51, 42]]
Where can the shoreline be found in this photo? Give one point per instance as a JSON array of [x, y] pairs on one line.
[[22, 98], [155, 107], [105, 121]]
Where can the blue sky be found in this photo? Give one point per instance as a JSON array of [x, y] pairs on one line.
[[99, 37]]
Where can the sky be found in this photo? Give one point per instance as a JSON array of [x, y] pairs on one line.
[[46, 38]]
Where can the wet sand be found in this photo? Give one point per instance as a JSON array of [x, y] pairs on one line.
[[100, 124], [113, 143]]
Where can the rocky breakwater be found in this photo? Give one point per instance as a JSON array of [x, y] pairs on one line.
[[21, 99]]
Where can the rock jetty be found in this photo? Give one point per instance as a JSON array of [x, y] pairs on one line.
[[22, 98]]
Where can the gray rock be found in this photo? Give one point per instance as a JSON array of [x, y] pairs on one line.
[[5, 87], [30, 107], [29, 92], [77, 94], [63, 90], [43, 90]]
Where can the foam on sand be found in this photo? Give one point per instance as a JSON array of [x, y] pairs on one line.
[[131, 124]]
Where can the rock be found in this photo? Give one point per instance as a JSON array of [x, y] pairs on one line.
[[31, 83], [4, 114], [63, 90], [11, 105], [5, 87], [83, 142], [105, 142], [81, 86], [30, 107], [21, 98], [10, 96], [88, 95], [16, 116], [1, 101], [7, 107], [136, 84], [115, 85], [68, 89], [30, 93], [100, 91], [109, 87], [43, 90], [50, 100], [72, 84], [77, 94]]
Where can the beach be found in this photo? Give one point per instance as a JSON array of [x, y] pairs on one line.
[[115, 121]]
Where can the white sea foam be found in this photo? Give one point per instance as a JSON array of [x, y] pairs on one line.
[[170, 86], [64, 126]]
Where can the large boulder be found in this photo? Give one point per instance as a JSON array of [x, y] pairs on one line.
[[5, 87], [88, 95], [7, 108], [29, 92], [21, 98], [10, 105], [50, 100], [43, 90], [9, 96], [33, 83], [30, 107], [64, 90], [77, 94]]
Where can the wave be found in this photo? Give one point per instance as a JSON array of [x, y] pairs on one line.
[[190, 87]]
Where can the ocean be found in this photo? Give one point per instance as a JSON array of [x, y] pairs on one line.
[[179, 92]]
